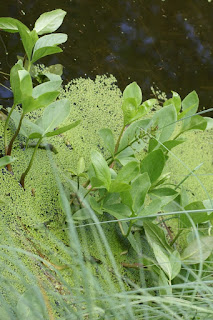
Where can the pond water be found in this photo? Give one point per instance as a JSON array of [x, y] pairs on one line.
[[165, 44]]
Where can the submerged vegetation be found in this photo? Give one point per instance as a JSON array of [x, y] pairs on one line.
[[94, 224]]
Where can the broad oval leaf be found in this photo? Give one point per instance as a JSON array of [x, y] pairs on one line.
[[153, 164], [175, 100], [133, 91], [15, 81], [129, 107], [45, 87], [198, 250], [26, 85], [119, 186], [108, 139], [9, 24], [43, 52], [6, 160], [50, 40], [118, 210], [140, 187], [63, 129], [49, 21], [101, 169], [55, 114], [128, 172], [165, 119]]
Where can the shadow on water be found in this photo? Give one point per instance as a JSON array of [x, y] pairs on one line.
[[164, 44]]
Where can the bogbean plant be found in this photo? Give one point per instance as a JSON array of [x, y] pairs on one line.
[[122, 184], [43, 95]]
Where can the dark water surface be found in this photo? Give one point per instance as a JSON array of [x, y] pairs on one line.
[[168, 44]]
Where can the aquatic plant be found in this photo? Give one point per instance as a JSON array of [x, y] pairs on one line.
[[121, 180]]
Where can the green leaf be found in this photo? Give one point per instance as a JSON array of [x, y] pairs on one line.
[[165, 120], [101, 168], [29, 103], [209, 123], [31, 305], [62, 129], [80, 166], [96, 206], [49, 21], [43, 52], [54, 115], [6, 160], [26, 85], [175, 263], [45, 87], [15, 81], [197, 217], [175, 100], [153, 164], [152, 209], [189, 107], [118, 210], [198, 250], [50, 40], [165, 194], [35, 135], [133, 91], [82, 214], [148, 105], [108, 139], [9, 25], [195, 122], [129, 107], [170, 144], [156, 235], [27, 39], [128, 172], [140, 187], [164, 287], [118, 186], [163, 260], [133, 132]]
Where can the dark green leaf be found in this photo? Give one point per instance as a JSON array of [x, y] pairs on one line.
[[27, 39], [49, 21], [153, 164], [108, 139]]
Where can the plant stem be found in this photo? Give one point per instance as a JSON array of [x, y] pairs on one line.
[[176, 237], [9, 149], [117, 145], [5, 127], [30, 163]]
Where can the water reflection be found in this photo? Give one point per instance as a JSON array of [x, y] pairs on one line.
[[154, 41]]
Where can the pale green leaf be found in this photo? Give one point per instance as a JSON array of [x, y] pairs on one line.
[[108, 139], [198, 250], [49, 21], [133, 91], [101, 169]]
